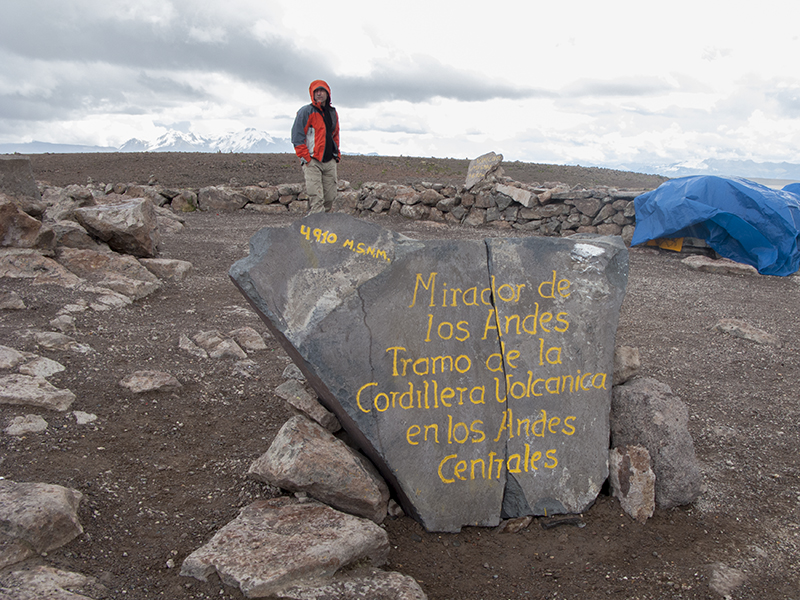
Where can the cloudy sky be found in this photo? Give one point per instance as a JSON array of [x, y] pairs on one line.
[[575, 81]]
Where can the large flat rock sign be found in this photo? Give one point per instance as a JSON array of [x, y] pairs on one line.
[[475, 374]]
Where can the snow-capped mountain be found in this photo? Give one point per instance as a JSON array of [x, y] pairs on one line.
[[721, 167], [248, 140]]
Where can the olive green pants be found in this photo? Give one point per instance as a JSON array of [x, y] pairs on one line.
[[321, 184]]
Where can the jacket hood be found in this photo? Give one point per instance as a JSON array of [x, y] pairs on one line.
[[319, 83]]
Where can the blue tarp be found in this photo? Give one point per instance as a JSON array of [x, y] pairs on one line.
[[741, 220]]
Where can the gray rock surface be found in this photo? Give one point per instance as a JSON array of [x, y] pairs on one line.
[[41, 582], [275, 544], [745, 331], [129, 227], [25, 425], [36, 518], [725, 266], [645, 412], [298, 397], [168, 268], [480, 167], [627, 363], [475, 373], [358, 585], [304, 457], [22, 263], [20, 230], [34, 391], [150, 381], [633, 481]]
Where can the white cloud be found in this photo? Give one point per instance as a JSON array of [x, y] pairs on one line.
[[574, 82]]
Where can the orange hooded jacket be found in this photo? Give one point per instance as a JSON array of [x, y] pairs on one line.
[[309, 132]]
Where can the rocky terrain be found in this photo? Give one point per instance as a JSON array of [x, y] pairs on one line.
[[161, 472]]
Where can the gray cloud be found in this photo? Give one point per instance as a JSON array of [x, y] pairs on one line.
[[423, 79], [624, 86], [276, 64]]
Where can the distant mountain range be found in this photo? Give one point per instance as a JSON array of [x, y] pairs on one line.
[[723, 168], [252, 140], [248, 140]]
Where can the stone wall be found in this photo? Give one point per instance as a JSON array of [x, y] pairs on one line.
[[550, 209]]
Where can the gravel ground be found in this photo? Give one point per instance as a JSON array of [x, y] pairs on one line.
[[160, 473]]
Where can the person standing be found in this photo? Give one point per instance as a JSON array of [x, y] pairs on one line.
[[315, 137]]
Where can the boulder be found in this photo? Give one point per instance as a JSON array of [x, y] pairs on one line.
[[524, 197], [30, 264], [220, 198], [275, 544], [627, 363], [140, 382], [633, 481], [118, 272], [358, 584], [62, 202], [40, 581], [168, 268], [645, 412], [34, 391], [304, 457], [130, 227], [25, 425], [476, 374], [296, 395], [745, 331], [20, 230], [71, 235], [480, 167], [36, 518]]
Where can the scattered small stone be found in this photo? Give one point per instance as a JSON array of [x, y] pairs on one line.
[[11, 301], [10, 358], [41, 367], [187, 345], [248, 338], [39, 582], [514, 525], [723, 265], [25, 425], [745, 331], [292, 371], [50, 340], [83, 418], [550, 522], [151, 381], [227, 349], [34, 391], [64, 323], [725, 579], [394, 510]]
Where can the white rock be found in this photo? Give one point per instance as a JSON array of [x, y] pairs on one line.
[[83, 418], [150, 381], [26, 424], [10, 358], [33, 391], [41, 367]]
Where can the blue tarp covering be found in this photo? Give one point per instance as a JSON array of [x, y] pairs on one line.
[[741, 220]]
